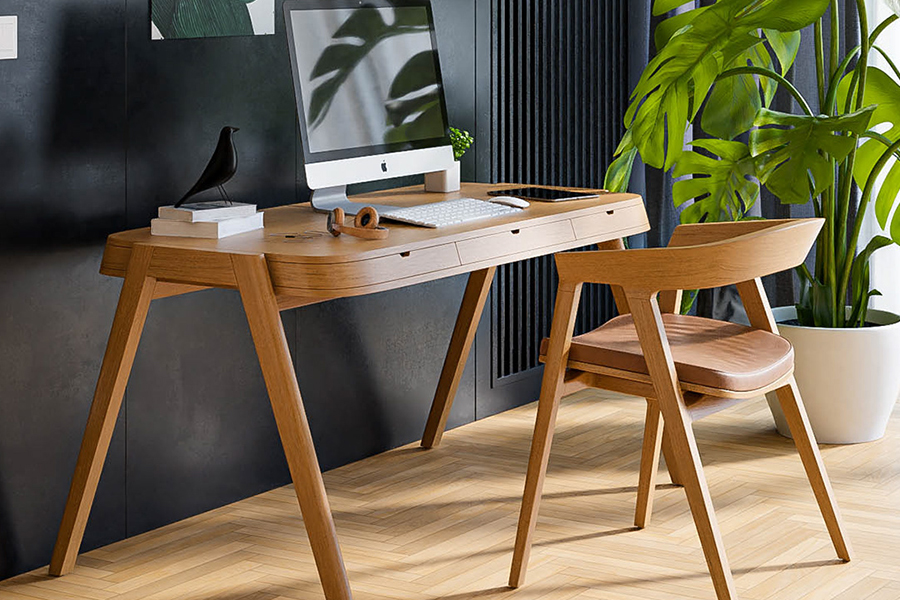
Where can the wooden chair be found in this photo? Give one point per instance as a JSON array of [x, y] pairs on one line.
[[687, 367]]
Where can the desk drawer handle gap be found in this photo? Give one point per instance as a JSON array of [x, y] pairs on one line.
[[515, 231], [609, 212], [405, 254]]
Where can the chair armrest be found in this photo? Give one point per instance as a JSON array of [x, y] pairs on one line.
[[776, 248]]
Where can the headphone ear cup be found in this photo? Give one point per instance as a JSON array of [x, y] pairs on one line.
[[366, 218], [335, 221]]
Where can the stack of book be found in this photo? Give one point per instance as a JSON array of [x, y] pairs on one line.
[[207, 220]]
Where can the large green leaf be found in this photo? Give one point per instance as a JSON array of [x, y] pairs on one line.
[[679, 77], [722, 189], [884, 93], [794, 150]]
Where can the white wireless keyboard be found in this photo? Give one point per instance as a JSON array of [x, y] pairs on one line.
[[449, 212]]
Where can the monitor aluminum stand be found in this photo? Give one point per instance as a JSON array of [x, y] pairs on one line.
[[325, 200]]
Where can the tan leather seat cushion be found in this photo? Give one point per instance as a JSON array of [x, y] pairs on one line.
[[707, 352]]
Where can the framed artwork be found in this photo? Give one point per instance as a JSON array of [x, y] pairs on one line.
[[182, 19]]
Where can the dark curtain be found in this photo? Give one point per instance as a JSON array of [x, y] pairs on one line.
[[656, 186]]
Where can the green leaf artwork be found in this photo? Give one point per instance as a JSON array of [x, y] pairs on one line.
[[181, 19]]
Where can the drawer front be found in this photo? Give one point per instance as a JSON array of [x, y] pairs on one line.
[[372, 272], [515, 241], [610, 221]]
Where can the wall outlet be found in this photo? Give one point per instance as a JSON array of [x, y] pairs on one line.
[[9, 38]]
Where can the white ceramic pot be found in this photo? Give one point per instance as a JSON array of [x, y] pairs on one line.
[[443, 181], [849, 378]]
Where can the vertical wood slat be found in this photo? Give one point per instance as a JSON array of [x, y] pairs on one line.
[[559, 94]]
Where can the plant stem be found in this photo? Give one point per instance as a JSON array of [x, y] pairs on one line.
[[836, 76], [846, 252], [835, 35], [753, 70], [820, 62], [888, 59], [863, 205]]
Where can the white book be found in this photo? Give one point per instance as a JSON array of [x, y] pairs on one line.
[[196, 212], [207, 229]]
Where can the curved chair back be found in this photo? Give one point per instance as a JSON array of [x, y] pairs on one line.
[[698, 257]]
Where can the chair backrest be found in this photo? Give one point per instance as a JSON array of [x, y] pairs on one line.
[[698, 257]]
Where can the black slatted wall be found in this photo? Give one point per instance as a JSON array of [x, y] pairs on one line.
[[560, 91]]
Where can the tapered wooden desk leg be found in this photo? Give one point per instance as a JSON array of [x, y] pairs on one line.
[[460, 343], [134, 302], [261, 307]]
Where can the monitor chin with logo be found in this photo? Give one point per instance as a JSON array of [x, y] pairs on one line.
[[362, 102]]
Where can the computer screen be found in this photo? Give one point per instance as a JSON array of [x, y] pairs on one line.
[[367, 77]]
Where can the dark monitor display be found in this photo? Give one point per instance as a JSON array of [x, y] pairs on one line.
[[367, 77]]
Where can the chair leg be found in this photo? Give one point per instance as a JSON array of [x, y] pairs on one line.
[[695, 487], [564, 313], [653, 436], [804, 439], [648, 323]]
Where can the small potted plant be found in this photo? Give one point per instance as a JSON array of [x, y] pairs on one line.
[[719, 67], [448, 181]]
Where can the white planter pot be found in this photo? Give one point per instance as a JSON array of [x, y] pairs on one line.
[[849, 378], [443, 181]]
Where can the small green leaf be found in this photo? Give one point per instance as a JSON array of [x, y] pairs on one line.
[[793, 162], [618, 175], [859, 275], [722, 189]]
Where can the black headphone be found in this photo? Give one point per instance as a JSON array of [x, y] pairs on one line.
[[365, 225]]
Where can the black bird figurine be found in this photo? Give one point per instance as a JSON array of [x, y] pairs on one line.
[[221, 168]]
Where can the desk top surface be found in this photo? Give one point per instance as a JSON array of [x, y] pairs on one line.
[[296, 233]]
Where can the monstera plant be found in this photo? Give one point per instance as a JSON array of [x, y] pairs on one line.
[[720, 67]]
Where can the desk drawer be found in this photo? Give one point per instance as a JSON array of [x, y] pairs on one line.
[[374, 271], [607, 222], [515, 241]]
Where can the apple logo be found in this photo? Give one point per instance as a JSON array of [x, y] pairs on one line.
[[384, 166]]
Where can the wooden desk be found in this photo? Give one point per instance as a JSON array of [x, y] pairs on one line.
[[293, 262]]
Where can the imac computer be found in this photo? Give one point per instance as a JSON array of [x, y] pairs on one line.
[[369, 95]]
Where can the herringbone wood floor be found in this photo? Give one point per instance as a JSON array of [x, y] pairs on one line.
[[440, 524]]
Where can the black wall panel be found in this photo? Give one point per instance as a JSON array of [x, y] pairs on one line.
[[99, 126], [559, 91]]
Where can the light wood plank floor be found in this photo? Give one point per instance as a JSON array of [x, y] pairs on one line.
[[440, 524]]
